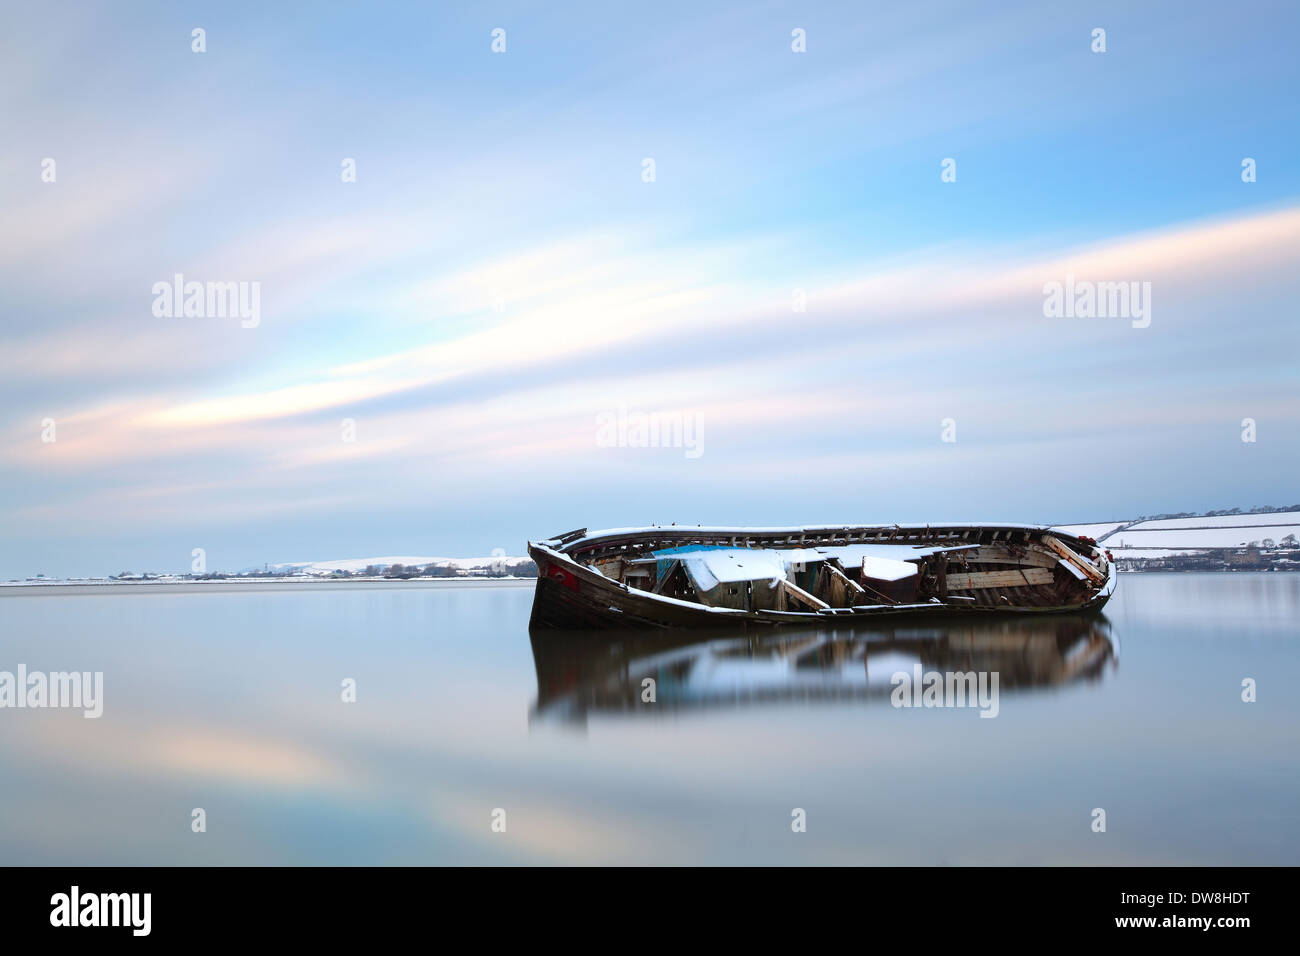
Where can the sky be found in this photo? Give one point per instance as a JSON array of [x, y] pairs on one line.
[[828, 267]]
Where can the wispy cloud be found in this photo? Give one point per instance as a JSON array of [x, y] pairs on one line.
[[858, 348]]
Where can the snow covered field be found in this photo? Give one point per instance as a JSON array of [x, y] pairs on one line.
[[1166, 536], [1098, 530], [355, 565], [1232, 537], [360, 564], [1287, 518]]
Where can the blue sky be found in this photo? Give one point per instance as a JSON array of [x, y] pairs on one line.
[[499, 275]]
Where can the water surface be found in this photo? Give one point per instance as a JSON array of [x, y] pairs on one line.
[[231, 702]]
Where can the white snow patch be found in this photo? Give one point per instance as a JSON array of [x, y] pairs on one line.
[[708, 569], [1150, 552], [1223, 537], [1096, 530], [1266, 523], [887, 569], [352, 565]]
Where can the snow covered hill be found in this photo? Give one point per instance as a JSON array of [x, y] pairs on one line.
[[1163, 537], [353, 565]]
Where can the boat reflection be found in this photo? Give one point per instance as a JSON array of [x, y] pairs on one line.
[[580, 671]]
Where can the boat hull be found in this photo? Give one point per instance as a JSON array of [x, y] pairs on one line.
[[570, 594]]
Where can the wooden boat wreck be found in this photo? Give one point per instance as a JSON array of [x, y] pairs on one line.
[[679, 576]]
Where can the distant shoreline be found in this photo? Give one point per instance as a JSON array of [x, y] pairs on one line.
[[25, 589], [1224, 540]]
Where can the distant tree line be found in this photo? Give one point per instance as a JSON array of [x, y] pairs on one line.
[[1257, 510]]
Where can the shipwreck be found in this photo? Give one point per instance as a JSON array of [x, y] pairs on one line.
[[678, 576]]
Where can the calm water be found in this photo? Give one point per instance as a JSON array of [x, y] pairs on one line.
[[231, 702]]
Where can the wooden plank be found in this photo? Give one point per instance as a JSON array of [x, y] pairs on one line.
[[872, 594], [998, 579], [835, 587], [1002, 555], [793, 591], [612, 568], [853, 586], [1086, 567]]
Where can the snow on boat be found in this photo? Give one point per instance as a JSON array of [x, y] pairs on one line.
[[678, 576]]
